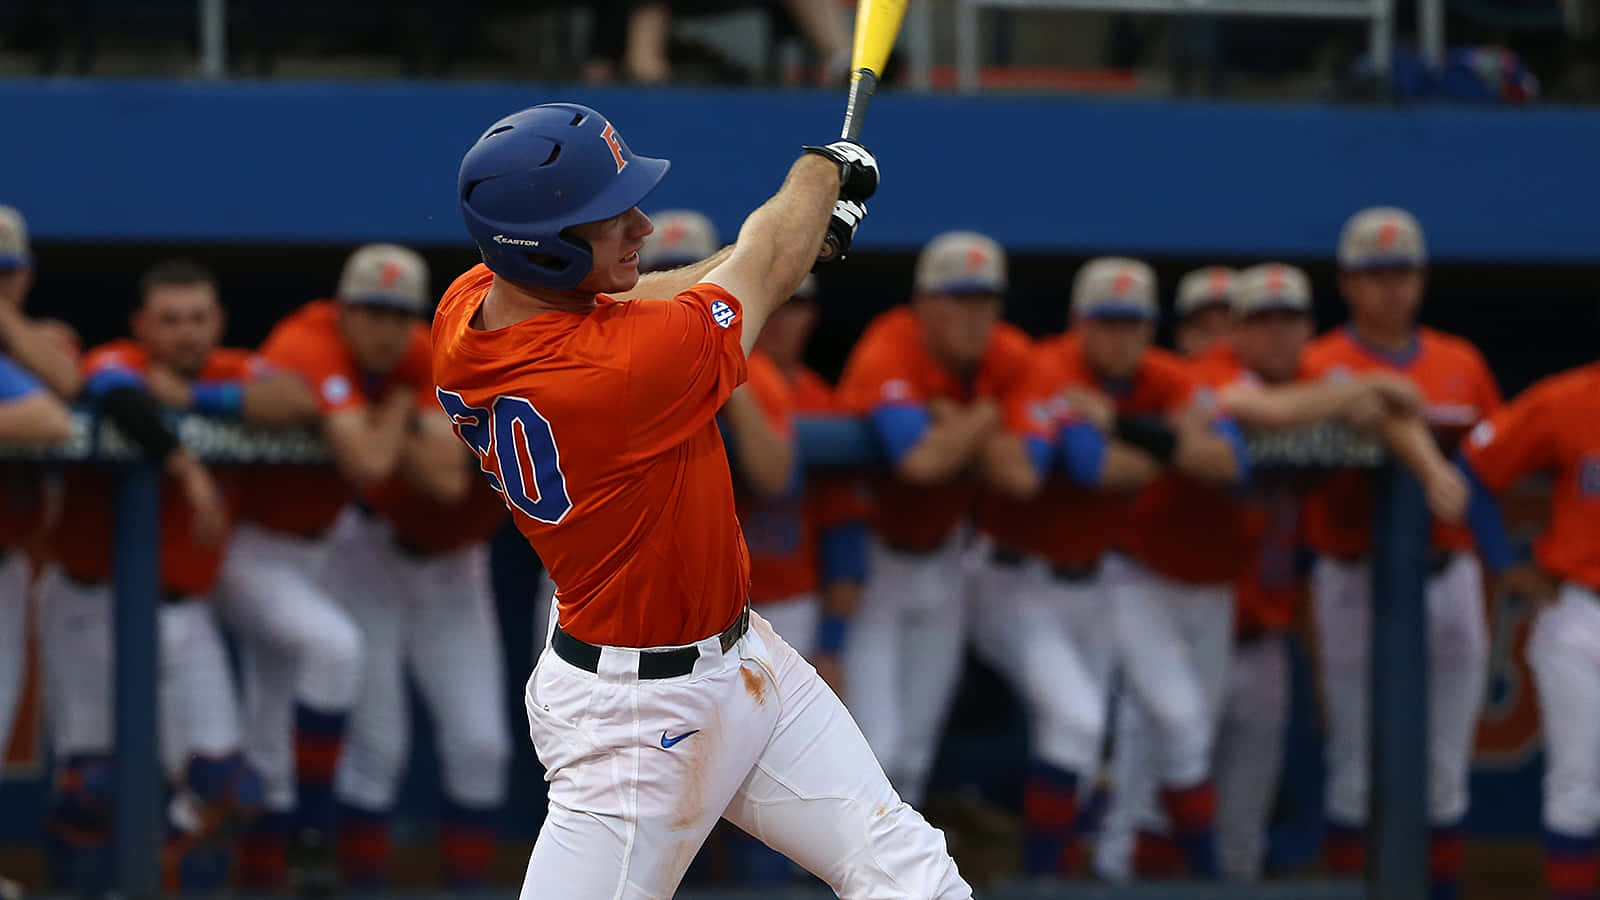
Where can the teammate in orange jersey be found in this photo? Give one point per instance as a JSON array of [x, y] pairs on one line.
[[35, 376], [414, 574], [365, 357], [831, 553], [662, 704], [173, 358], [931, 376], [1554, 427], [1381, 274]]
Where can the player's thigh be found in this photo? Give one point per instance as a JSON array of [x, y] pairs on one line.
[[78, 647], [1065, 692], [1155, 657], [997, 629], [1208, 626], [13, 633], [795, 619], [817, 795], [1564, 653], [199, 679]]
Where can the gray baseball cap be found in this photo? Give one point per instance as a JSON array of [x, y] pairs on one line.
[[1271, 287], [1202, 288], [385, 275], [961, 262], [14, 250], [1384, 237], [680, 237], [1115, 287]]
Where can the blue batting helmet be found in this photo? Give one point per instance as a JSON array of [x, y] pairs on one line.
[[538, 172]]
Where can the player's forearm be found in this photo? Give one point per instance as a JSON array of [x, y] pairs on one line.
[[277, 401], [1289, 406], [367, 443], [1006, 467], [945, 449], [1127, 468], [783, 236], [37, 352], [671, 282], [1207, 456], [35, 419], [766, 457], [1410, 441], [432, 461]]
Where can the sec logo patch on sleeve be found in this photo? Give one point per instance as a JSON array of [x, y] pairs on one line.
[[722, 313]]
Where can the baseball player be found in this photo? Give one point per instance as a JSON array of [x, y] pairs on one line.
[[413, 571], [662, 704], [364, 355], [1551, 428], [35, 375], [172, 358], [1203, 307], [1381, 272], [931, 376], [682, 237], [1254, 373]]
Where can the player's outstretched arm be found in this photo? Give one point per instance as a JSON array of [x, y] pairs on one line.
[[671, 282], [779, 242]]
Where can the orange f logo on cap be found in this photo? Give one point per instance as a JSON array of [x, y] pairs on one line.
[[1123, 282], [1387, 233], [615, 143], [976, 257], [389, 275]]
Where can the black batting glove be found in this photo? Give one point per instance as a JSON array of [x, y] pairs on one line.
[[847, 216], [858, 169]]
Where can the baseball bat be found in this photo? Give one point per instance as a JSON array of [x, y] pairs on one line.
[[877, 25]]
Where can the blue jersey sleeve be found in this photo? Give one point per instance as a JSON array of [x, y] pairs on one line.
[[1234, 435], [1083, 453], [15, 381], [844, 552], [1038, 453], [108, 378], [1488, 528], [900, 426]]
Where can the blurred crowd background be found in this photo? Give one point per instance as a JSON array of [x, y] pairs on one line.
[[264, 142]]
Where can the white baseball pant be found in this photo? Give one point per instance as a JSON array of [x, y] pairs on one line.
[[1052, 639], [544, 614], [1564, 652], [1458, 665], [1173, 641], [13, 635], [197, 705], [297, 644], [904, 656], [760, 741], [435, 617], [795, 619]]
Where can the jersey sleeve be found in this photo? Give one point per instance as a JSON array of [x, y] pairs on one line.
[[683, 360], [323, 362], [15, 381], [1518, 439], [880, 383], [1489, 398]]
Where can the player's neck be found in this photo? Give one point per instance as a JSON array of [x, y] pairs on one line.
[[1385, 337], [506, 304]]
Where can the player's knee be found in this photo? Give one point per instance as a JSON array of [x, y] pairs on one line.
[[331, 664]]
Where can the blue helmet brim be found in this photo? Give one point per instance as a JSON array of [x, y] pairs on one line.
[[631, 186]]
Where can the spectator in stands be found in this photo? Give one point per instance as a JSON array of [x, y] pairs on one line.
[[172, 359], [37, 372], [365, 357], [634, 35]]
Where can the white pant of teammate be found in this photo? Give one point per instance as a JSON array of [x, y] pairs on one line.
[[1564, 653], [762, 743], [904, 656], [1246, 763], [434, 617], [795, 619], [297, 645], [13, 636], [197, 706], [1053, 640], [1458, 666]]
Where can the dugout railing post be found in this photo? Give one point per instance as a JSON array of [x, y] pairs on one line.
[[137, 822]]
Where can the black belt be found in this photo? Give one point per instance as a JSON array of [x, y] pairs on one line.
[[1008, 558], [652, 663], [906, 550]]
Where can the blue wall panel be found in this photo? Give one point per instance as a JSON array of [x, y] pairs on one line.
[[306, 163]]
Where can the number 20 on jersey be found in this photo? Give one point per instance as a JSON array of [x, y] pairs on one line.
[[516, 451]]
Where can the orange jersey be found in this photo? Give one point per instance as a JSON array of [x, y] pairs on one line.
[[1187, 530], [782, 547], [82, 540], [598, 428], [1459, 390], [1554, 426], [306, 501], [891, 366], [1067, 523]]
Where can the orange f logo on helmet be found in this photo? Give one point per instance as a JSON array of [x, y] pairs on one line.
[[615, 143]]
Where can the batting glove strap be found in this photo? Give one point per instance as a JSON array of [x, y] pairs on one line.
[[847, 216], [858, 169]]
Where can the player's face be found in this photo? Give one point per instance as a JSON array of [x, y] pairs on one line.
[[180, 324], [957, 327], [1201, 329], [1115, 346], [14, 285], [1269, 343], [1386, 298], [615, 243], [377, 336], [787, 331]]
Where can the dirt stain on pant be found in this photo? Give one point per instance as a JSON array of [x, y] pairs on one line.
[[755, 683]]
